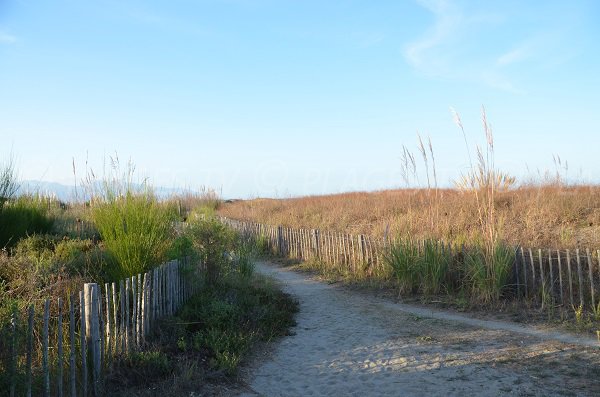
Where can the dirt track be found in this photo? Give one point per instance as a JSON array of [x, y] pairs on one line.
[[349, 344]]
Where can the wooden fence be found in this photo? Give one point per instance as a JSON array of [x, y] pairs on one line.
[[548, 276], [75, 341]]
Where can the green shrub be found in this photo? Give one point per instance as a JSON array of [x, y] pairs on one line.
[[21, 217], [402, 259], [227, 317], [8, 182], [136, 229], [488, 271], [214, 242], [433, 267]]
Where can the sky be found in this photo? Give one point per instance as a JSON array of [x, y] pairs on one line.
[[282, 98]]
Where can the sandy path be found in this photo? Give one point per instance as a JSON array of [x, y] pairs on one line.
[[354, 345]]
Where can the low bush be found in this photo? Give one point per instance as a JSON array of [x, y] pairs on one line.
[[231, 315], [488, 271], [214, 242], [21, 217], [136, 229]]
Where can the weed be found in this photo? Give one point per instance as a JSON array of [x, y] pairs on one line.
[[402, 258], [578, 311]]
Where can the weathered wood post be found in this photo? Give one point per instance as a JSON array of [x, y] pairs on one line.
[[551, 266], [84, 372], [560, 277], [29, 349], [60, 349], [591, 276], [45, 340], [72, 367], [13, 352], [280, 240], [579, 278]]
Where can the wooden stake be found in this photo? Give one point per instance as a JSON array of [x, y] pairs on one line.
[[524, 271], [60, 349], [127, 315], [108, 330], [532, 270], [45, 337], [570, 277], [591, 275], [550, 265], [13, 352], [72, 367], [579, 278], [29, 349], [560, 277]]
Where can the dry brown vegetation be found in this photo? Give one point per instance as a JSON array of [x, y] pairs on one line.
[[549, 215]]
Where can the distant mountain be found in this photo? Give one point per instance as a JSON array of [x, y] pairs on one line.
[[61, 192], [67, 193]]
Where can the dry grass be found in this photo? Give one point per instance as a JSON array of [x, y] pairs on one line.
[[546, 215]]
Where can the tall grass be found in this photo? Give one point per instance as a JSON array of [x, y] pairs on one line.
[[488, 273], [419, 267], [402, 259], [486, 212], [135, 227], [23, 216], [8, 181]]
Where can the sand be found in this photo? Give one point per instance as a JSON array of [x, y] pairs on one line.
[[348, 344]]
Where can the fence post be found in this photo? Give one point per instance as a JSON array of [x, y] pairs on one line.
[[60, 349], [13, 352], [591, 275], [316, 243], [560, 277], [92, 325], [84, 374], [570, 277], [29, 348], [45, 337], [579, 278], [72, 368], [280, 240], [551, 266], [134, 310]]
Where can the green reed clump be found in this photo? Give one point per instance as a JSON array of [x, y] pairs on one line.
[[136, 229], [419, 267], [433, 267], [402, 259], [488, 272], [23, 216]]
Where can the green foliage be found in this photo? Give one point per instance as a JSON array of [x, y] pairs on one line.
[[433, 267], [243, 258], [418, 268], [21, 217], [227, 317], [39, 259], [213, 241], [139, 368], [488, 271], [261, 244], [402, 258], [8, 182], [181, 247], [136, 229]]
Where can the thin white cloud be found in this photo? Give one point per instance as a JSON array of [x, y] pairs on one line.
[[447, 49], [6, 38], [513, 56], [447, 21], [371, 40]]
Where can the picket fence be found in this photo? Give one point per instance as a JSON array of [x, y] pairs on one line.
[[76, 344], [547, 276]]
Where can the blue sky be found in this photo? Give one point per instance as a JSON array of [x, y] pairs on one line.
[[280, 98]]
